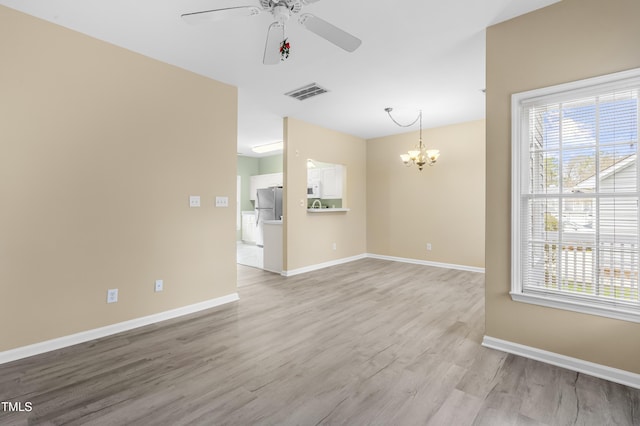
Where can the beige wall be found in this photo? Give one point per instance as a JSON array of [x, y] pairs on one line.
[[568, 41], [308, 237], [101, 148], [442, 205]]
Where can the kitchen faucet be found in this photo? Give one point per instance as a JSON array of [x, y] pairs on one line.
[[313, 205]]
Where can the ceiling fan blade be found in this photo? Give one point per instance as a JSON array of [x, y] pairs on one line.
[[330, 32], [220, 14], [305, 2], [272, 46]]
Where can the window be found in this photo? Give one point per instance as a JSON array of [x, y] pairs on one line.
[[575, 189]]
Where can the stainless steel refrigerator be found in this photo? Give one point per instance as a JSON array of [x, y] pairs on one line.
[[268, 207]]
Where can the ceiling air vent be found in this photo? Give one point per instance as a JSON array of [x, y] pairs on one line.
[[306, 92]]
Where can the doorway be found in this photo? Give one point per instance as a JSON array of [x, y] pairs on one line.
[[253, 173]]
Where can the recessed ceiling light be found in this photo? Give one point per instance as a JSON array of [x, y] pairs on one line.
[[261, 149]]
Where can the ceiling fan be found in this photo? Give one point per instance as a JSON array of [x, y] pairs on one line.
[[281, 10]]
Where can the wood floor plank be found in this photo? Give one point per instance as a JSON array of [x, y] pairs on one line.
[[368, 342]]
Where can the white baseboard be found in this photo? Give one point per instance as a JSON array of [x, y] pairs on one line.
[[427, 263], [623, 377], [85, 336], [322, 265], [382, 257]]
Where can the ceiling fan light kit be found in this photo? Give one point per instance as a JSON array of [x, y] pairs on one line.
[[277, 48]]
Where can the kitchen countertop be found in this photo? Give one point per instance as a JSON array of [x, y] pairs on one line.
[[327, 210]]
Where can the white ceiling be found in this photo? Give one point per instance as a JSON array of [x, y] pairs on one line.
[[415, 54]]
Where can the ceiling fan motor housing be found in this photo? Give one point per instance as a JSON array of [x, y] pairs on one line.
[[281, 13]]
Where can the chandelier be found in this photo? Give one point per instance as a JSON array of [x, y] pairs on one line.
[[419, 155]]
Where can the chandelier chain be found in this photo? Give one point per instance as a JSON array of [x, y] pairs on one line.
[[419, 117]]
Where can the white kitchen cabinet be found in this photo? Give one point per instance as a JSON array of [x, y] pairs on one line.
[[249, 227], [263, 181], [272, 246], [332, 178]]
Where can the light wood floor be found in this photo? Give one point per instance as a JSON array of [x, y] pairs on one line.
[[369, 342]]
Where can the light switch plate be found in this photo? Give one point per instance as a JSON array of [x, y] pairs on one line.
[[159, 285], [194, 201], [222, 201]]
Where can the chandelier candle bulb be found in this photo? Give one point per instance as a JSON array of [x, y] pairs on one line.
[[433, 155]]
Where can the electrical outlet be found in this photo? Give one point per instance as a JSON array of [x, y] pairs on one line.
[[112, 295], [334, 246], [194, 201], [159, 285], [302, 203], [429, 246], [222, 201]]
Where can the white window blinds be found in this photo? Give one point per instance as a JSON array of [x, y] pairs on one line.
[[577, 193]]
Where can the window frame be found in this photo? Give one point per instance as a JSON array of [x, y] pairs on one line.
[[519, 157]]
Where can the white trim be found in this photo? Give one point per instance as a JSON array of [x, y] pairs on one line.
[[582, 306], [516, 187], [427, 263], [336, 262], [582, 87], [322, 265], [623, 377], [96, 333]]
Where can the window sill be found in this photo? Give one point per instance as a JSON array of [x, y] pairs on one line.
[[616, 312]]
